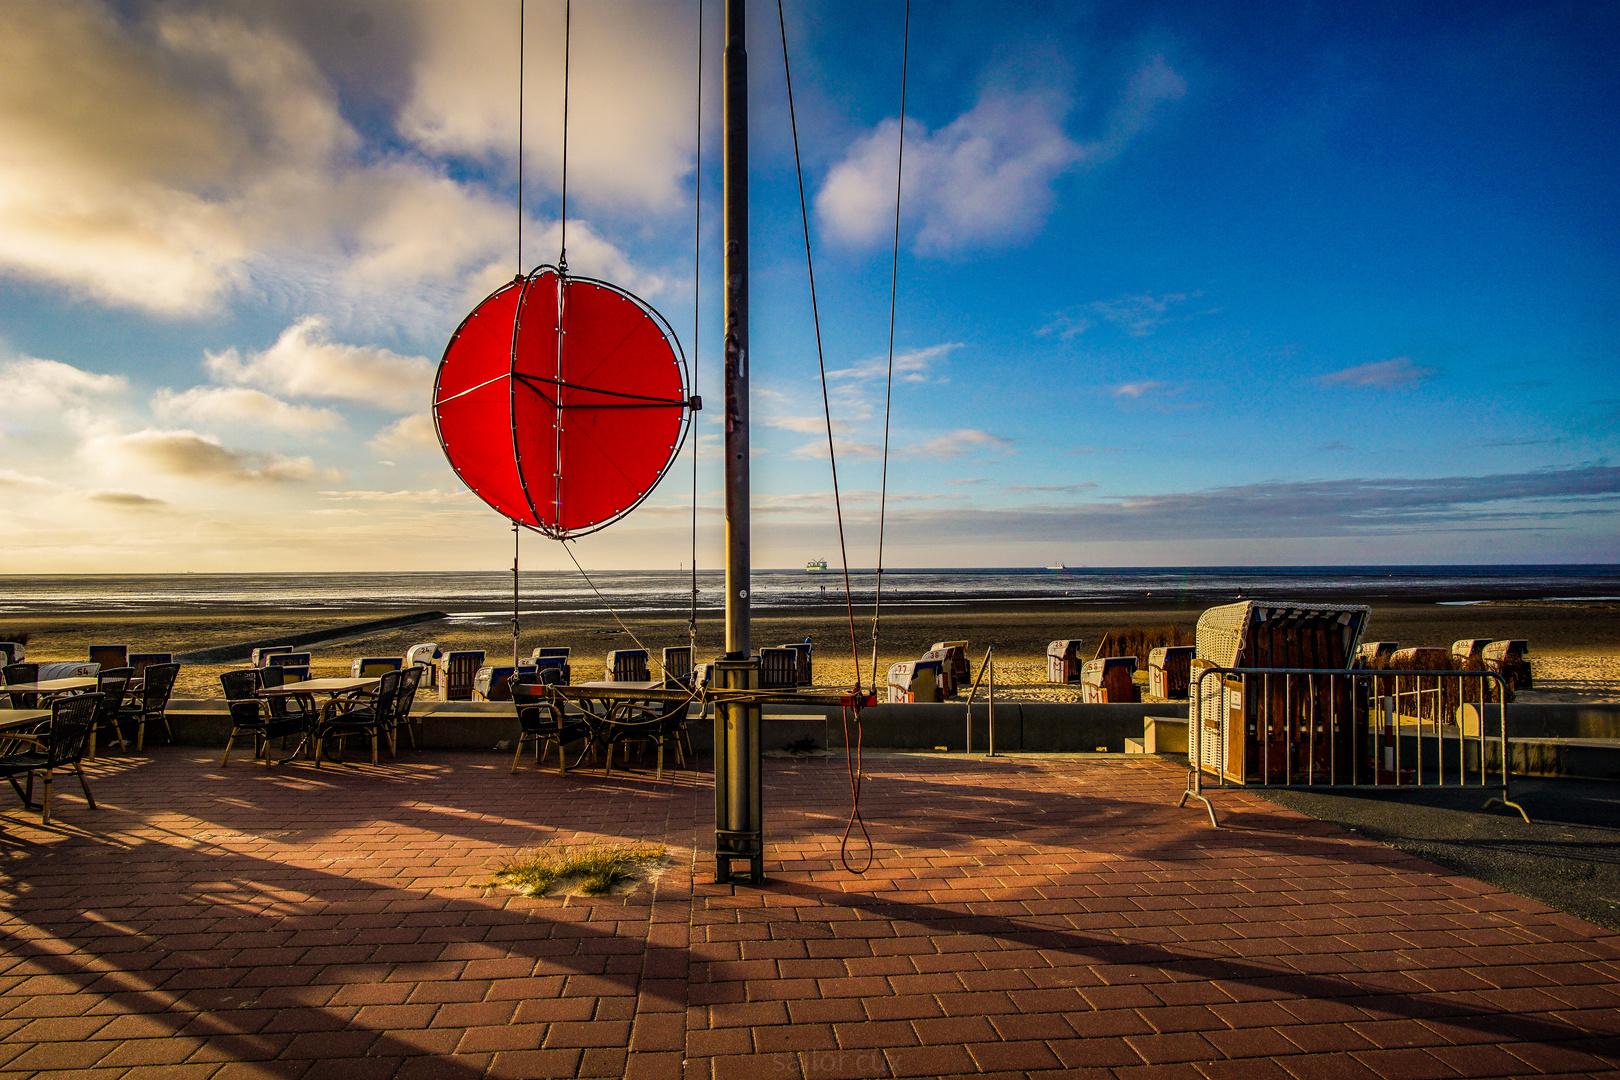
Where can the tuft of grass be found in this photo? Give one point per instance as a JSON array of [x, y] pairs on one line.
[[597, 867]]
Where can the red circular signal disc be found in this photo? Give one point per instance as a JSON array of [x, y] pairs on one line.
[[563, 424]]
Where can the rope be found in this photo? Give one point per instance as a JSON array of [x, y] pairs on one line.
[[568, 41], [815, 313], [565, 542], [697, 253], [853, 762], [888, 390]]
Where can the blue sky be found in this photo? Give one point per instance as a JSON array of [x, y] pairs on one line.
[[1179, 283]]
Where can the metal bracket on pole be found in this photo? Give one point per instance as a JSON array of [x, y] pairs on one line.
[[738, 806]]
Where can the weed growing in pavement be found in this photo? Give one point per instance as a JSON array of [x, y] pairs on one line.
[[597, 868]]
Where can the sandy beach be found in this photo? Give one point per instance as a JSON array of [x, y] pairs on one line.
[[1575, 645]]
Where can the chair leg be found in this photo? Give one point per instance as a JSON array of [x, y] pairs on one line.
[[140, 735], [89, 798], [374, 746], [320, 741], [660, 774], [226, 760], [45, 813], [517, 755]]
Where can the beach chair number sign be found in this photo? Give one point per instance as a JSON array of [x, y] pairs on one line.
[[561, 402]]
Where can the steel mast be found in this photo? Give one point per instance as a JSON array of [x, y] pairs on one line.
[[738, 820]]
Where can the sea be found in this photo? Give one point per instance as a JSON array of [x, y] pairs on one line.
[[478, 595]]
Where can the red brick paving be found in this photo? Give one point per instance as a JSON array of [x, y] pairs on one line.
[[1023, 917]]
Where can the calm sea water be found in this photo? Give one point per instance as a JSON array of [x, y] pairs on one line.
[[669, 591]]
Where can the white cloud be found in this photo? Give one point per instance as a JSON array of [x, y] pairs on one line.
[[912, 365], [232, 405], [1138, 316], [32, 384], [193, 456], [817, 450], [1135, 390], [1379, 375], [413, 432], [631, 106], [305, 362], [957, 443], [169, 157], [985, 179], [807, 425]]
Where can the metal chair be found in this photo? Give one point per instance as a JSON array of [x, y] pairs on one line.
[[157, 683], [256, 716], [64, 742]]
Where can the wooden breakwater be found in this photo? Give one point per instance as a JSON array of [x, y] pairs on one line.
[[224, 654]]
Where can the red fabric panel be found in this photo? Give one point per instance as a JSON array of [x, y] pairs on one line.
[[599, 453], [473, 404]]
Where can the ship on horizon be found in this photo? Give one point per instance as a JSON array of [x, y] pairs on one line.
[[815, 566]]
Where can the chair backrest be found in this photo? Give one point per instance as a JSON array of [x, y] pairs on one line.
[[409, 679], [491, 682], [387, 694], [110, 696], [627, 665], [12, 652], [157, 683], [71, 721], [366, 667], [677, 663], [425, 653], [240, 685], [112, 683], [261, 656], [20, 673], [551, 650], [804, 650], [288, 659], [110, 656]]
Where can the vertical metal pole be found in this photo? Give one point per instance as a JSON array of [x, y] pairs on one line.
[[990, 751], [739, 831], [515, 538]]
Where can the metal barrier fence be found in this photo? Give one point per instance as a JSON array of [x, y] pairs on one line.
[[1370, 730]]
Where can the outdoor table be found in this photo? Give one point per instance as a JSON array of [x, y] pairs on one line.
[[51, 687], [308, 688], [13, 721], [603, 702]]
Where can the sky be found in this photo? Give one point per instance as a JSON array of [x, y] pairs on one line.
[[1178, 283]]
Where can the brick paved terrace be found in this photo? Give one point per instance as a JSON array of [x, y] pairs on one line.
[[1024, 916]]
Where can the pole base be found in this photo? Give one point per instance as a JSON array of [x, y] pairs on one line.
[[724, 876]]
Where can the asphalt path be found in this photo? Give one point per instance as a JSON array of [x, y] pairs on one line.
[[1567, 857]]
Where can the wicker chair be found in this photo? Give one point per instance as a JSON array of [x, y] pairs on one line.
[[410, 679], [656, 723], [543, 721], [64, 742], [113, 686], [368, 715], [21, 673], [157, 683], [256, 716]]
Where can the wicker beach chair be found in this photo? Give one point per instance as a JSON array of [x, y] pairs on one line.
[[778, 669], [627, 665], [256, 716], [457, 671], [64, 743], [110, 656]]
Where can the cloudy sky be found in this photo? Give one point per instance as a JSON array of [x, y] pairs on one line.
[[1179, 283]]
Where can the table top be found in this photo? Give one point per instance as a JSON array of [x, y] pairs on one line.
[[608, 684], [321, 686], [49, 686], [16, 718]]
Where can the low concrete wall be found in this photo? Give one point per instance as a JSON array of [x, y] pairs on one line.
[[1020, 727]]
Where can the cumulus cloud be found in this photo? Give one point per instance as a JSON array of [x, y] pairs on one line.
[[232, 405], [192, 456], [32, 384], [306, 362], [1379, 375], [985, 179], [413, 432], [167, 157]]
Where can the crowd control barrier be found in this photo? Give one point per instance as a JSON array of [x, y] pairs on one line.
[[1332, 728]]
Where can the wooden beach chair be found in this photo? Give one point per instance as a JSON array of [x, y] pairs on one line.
[[626, 665], [457, 671]]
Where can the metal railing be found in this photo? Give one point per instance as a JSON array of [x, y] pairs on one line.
[[1364, 729], [988, 666]]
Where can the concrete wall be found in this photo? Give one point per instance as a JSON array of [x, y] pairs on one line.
[[468, 725]]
